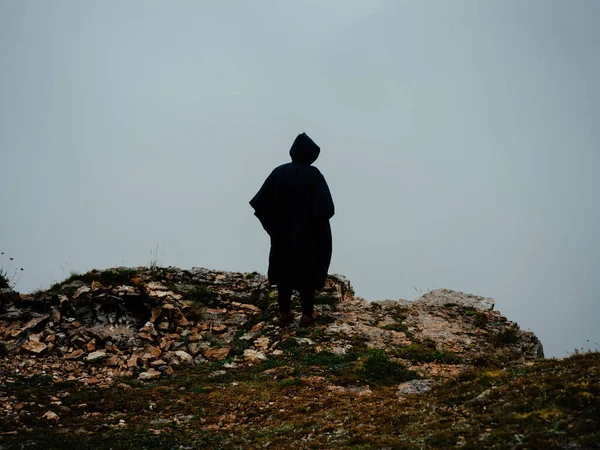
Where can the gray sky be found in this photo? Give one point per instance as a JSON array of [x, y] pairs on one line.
[[459, 140]]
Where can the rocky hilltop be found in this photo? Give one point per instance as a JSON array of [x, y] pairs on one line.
[[146, 323], [165, 357]]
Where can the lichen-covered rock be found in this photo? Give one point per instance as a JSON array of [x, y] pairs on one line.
[[413, 387], [96, 356]]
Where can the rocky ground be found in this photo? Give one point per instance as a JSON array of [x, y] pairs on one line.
[[171, 358]]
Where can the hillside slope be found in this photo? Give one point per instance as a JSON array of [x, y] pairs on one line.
[[134, 358]]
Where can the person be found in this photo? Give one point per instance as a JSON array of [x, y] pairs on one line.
[[294, 206]]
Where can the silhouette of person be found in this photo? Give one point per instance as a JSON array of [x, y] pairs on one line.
[[294, 206]]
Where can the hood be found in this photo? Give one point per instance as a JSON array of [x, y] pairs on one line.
[[304, 150]]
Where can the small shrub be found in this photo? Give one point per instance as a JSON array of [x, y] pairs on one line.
[[378, 367], [505, 337], [327, 359], [481, 319], [202, 296], [427, 352], [398, 326], [491, 360]]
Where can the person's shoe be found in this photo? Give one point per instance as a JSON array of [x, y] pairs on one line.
[[285, 318], [308, 319]]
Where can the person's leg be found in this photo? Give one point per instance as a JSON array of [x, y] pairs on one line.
[[284, 299], [307, 297]]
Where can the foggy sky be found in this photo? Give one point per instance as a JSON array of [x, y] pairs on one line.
[[459, 140]]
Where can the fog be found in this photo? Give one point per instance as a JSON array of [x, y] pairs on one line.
[[459, 140]]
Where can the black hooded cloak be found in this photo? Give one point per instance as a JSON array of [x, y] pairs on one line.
[[294, 206]]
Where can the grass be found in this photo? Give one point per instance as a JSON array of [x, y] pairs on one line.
[[421, 352], [551, 404], [154, 262], [110, 277], [9, 277], [379, 368]]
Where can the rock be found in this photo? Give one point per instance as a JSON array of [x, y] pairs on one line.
[[219, 328], [151, 374], [34, 347], [338, 350], [441, 297], [155, 313], [262, 343], [91, 346], [184, 357], [148, 329], [199, 360], [51, 416], [251, 308], [31, 325], [96, 285], [481, 396], [194, 348], [217, 373], [195, 337], [146, 336], [81, 290], [413, 387], [156, 286], [158, 362], [133, 361], [154, 352], [74, 354], [92, 381], [56, 315], [216, 353], [35, 337], [360, 391], [96, 356], [112, 361], [254, 356]]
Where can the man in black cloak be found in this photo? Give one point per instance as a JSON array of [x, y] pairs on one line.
[[294, 206]]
